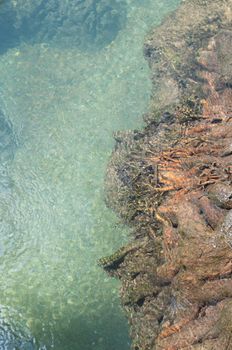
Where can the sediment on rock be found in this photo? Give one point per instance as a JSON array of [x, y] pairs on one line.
[[172, 182]]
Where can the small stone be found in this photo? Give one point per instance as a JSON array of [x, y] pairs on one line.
[[228, 151], [221, 195]]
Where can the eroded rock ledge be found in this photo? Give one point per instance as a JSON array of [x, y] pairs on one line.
[[172, 182]]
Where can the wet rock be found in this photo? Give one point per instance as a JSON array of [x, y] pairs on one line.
[[87, 24], [112, 261]]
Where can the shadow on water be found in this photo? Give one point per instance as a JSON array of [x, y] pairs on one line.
[[83, 332], [79, 333], [14, 334], [8, 144], [7, 139], [86, 24]]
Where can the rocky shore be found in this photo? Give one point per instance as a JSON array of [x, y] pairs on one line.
[[172, 183]]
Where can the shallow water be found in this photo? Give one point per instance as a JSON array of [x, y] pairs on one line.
[[64, 105]]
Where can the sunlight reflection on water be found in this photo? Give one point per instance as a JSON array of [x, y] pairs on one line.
[[64, 105]]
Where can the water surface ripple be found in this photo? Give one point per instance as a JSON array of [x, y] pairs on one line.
[[64, 105]]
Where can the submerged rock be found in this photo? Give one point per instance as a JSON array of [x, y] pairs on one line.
[[87, 24]]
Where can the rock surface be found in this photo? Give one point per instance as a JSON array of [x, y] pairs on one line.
[[172, 182]]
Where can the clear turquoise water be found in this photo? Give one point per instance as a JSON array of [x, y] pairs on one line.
[[65, 105]]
